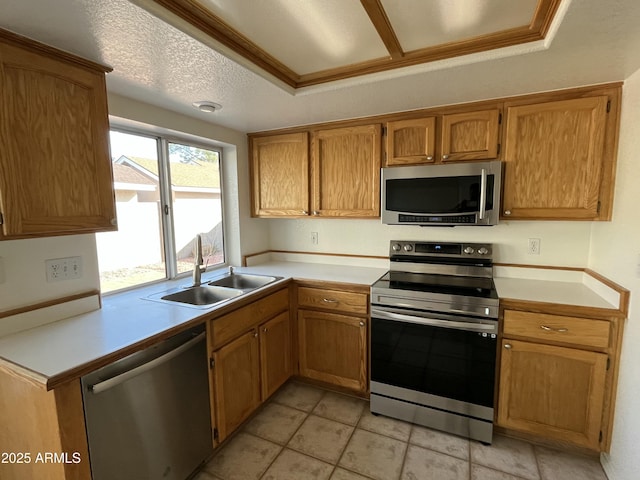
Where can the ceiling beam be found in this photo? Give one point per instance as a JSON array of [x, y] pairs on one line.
[[381, 22]]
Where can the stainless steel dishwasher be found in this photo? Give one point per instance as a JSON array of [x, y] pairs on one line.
[[148, 415]]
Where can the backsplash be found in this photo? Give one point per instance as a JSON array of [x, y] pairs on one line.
[[561, 243], [24, 269]]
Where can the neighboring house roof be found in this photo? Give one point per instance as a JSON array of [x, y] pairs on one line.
[[123, 173], [186, 175]]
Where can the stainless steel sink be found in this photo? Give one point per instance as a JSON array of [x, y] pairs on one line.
[[243, 281], [200, 297]]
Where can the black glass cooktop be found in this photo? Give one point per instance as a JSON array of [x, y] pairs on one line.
[[445, 284]]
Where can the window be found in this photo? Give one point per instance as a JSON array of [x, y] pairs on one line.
[[167, 192]]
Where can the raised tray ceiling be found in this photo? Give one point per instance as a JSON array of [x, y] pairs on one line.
[[309, 42]]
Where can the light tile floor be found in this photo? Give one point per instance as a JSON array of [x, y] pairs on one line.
[[306, 433]]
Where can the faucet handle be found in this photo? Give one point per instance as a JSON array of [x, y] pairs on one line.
[[231, 270]]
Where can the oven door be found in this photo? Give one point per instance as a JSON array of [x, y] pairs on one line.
[[445, 361]]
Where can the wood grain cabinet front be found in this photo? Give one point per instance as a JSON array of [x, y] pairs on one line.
[[250, 359], [337, 176], [462, 136], [55, 169], [280, 175], [560, 158], [332, 331], [333, 348], [557, 377], [346, 172], [236, 382]]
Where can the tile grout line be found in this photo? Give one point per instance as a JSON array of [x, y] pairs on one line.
[[284, 447]]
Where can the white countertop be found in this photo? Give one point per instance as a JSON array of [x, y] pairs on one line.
[[128, 319], [549, 291]]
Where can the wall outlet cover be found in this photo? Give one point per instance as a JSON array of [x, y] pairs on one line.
[[59, 269]]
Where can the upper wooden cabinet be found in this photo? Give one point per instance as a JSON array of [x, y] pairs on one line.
[[463, 136], [346, 172], [341, 179], [280, 175], [470, 136], [560, 158], [411, 141], [55, 167]]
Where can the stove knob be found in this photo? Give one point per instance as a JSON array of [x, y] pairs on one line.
[[408, 247], [483, 251], [468, 250], [396, 247]]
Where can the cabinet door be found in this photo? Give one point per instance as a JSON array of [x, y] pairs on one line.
[[346, 172], [280, 175], [55, 169], [275, 353], [236, 374], [411, 141], [470, 136], [554, 392], [553, 159], [333, 348]]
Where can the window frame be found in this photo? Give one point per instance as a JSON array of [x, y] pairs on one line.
[[163, 139]]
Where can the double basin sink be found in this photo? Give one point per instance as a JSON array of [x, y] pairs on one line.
[[215, 291]]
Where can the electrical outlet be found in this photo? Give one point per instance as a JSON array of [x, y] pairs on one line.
[[314, 238], [59, 269], [534, 246]]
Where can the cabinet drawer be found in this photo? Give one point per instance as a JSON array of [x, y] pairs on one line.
[[557, 328], [349, 302], [235, 323]]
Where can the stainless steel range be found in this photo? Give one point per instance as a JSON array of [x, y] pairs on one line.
[[434, 326]]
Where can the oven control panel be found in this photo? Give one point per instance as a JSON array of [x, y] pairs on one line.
[[440, 249]]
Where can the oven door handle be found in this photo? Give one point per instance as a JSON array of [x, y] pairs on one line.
[[452, 324], [483, 193]]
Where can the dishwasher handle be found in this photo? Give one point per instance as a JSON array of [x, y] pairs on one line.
[[118, 379]]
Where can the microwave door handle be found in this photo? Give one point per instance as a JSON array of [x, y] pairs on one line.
[[483, 193]]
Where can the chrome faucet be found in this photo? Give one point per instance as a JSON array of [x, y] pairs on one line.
[[197, 263], [230, 270]]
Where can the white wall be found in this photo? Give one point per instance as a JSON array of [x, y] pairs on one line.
[[562, 243], [615, 253], [25, 281]]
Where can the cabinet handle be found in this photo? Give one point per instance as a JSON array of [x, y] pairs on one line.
[[114, 221], [507, 212], [507, 346], [305, 212], [265, 329], [551, 329], [329, 300], [316, 212], [429, 157], [362, 324], [444, 157], [255, 334]]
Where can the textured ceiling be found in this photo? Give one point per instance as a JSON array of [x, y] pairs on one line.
[[154, 62]]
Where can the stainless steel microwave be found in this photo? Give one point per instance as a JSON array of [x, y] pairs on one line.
[[446, 195]]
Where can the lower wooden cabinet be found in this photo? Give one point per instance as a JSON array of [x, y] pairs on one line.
[[555, 392], [333, 348], [250, 359], [557, 377], [275, 353], [236, 382]]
